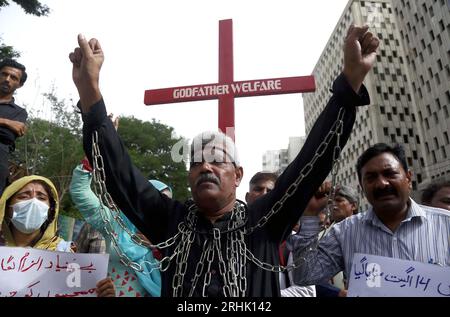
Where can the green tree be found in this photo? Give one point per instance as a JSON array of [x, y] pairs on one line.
[[53, 148], [33, 7], [149, 145], [7, 51]]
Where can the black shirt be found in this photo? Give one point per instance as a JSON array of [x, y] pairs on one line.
[[158, 216], [11, 111]]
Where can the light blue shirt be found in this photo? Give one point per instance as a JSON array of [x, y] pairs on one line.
[[423, 236]]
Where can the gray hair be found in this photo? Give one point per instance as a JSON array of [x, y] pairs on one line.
[[349, 193], [212, 140]]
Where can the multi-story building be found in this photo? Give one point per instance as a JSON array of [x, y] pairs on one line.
[[275, 161], [424, 28], [395, 115], [294, 147]]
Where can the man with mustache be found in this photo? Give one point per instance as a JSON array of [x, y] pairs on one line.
[[12, 117], [214, 245], [394, 226]]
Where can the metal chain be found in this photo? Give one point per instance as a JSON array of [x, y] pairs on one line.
[[181, 260], [235, 238], [337, 129], [210, 259], [99, 181], [199, 268], [237, 268]]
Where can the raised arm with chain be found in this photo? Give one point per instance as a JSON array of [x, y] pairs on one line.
[[243, 250]]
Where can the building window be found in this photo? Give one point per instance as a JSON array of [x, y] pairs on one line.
[[441, 26], [393, 138]]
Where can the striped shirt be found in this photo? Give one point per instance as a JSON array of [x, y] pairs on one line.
[[423, 236]]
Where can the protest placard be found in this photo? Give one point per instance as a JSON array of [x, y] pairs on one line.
[[382, 276], [27, 272]]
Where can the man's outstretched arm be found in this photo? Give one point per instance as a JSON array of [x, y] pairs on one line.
[[348, 92], [130, 190]]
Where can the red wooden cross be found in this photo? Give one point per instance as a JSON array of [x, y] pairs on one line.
[[227, 89]]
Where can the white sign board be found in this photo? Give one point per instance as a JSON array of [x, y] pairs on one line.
[[382, 276], [27, 272]]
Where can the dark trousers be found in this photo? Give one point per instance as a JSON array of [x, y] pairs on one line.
[[4, 166]]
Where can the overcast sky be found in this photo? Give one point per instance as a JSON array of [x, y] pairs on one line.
[[158, 44]]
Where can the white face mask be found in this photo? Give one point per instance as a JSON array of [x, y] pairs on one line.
[[29, 215]]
